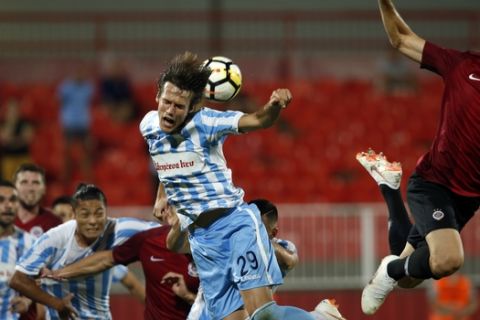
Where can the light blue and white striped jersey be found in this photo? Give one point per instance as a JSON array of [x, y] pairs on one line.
[[191, 165], [58, 247], [12, 248], [118, 273]]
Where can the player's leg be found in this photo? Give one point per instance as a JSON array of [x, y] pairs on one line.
[[415, 240], [434, 208], [388, 176]]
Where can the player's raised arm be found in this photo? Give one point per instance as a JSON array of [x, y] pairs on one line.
[[266, 116], [399, 33], [95, 263]]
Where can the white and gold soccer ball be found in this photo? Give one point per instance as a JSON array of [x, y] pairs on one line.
[[225, 81]]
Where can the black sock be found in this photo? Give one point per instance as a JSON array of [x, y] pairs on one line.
[[417, 265], [398, 221]]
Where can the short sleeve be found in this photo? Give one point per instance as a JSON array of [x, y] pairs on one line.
[[440, 60], [217, 124], [126, 228], [128, 251], [41, 254], [149, 123], [119, 272]]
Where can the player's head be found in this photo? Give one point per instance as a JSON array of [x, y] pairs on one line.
[[29, 180], [90, 208], [269, 214], [62, 207], [8, 203], [180, 88]]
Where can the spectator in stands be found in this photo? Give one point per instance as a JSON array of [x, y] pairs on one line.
[[116, 92], [396, 75], [76, 96], [16, 134], [452, 298]]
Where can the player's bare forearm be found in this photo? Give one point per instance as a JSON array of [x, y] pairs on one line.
[[266, 116], [179, 287], [136, 288], [399, 33], [27, 287], [95, 263], [161, 192], [177, 239], [161, 203]]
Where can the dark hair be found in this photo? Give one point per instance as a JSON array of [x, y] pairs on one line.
[[186, 72], [63, 200], [29, 167], [266, 208], [6, 183], [88, 192]]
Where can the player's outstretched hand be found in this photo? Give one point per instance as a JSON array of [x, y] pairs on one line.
[[51, 274], [179, 287], [66, 311], [281, 97]]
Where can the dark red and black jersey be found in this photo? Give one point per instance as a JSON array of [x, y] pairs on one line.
[[149, 247], [454, 157]]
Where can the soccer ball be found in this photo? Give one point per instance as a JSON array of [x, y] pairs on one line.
[[225, 81]]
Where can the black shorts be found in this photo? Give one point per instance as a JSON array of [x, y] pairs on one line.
[[434, 207]]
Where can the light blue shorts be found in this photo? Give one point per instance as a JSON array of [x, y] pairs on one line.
[[232, 254]]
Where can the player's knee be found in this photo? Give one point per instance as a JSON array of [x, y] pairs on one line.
[[446, 264]]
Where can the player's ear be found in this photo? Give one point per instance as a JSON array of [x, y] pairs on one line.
[[274, 232], [194, 108]]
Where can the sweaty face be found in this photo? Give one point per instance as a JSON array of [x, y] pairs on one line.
[[91, 217], [173, 107], [64, 211], [8, 206], [30, 187]]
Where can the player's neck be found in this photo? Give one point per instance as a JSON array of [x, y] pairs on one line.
[[25, 215], [82, 241]]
